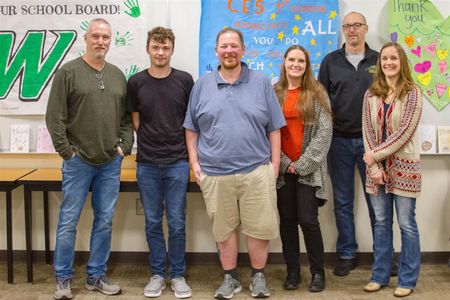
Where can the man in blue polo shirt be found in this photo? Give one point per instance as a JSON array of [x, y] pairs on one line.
[[233, 136]]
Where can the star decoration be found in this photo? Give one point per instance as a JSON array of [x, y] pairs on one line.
[[295, 30], [271, 74], [330, 42], [280, 36], [332, 15], [273, 16], [312, 42], [248, 60], [271, 64], [297, 18], [318, 54]]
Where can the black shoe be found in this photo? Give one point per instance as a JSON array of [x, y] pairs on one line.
[[317, 283], [344, 266], [292, 281], [394, 270]]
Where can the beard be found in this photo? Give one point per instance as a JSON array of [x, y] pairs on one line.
[[230, 64], [99, 55]]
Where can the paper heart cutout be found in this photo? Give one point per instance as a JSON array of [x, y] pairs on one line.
[[416, 51], [440, 89], [394, 37], [409, 40], [424, 79], [442, 65], [431, 48], [422, 67], [442, 53]]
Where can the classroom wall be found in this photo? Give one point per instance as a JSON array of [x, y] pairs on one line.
[[433, 206]]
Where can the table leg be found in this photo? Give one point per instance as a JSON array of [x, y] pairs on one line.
[[28, 237], [9, 241], [46, 229]]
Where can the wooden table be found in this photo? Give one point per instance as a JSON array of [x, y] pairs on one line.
[[8, 182], [46, 180]]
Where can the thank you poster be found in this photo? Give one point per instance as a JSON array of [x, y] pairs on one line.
[[418, 25]]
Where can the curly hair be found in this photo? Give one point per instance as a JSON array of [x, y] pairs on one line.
[[160, 35]]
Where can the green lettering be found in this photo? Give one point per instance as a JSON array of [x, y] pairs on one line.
[[29, 63]]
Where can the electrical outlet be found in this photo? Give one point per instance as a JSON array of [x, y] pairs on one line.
[[139, 208]]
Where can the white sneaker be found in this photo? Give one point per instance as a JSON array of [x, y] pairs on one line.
[[181, 288], [155, 286]]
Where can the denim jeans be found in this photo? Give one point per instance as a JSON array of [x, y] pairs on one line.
[[165, 186], [298, 205], [409, 261], [77, 177], [344, 154]]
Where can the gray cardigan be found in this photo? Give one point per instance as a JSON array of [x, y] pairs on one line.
[[312, 164]]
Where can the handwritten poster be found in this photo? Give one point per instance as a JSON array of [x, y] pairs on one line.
[[38, 36], [425, 35], [269, 28]]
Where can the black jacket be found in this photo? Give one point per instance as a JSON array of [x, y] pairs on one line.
[[346, 87]]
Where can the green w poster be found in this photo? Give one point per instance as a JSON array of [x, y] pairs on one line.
[[37, 37], [425, 35]]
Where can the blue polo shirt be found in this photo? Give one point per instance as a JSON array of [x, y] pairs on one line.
[[233, 121]]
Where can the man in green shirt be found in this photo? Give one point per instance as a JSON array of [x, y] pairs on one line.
[[87, 120]]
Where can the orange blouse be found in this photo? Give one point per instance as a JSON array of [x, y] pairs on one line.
[[292, 133]]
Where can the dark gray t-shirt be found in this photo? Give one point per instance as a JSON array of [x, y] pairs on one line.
[[162, 104], [233, 121]]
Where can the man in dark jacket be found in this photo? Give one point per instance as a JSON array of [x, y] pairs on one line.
[[346, 74]]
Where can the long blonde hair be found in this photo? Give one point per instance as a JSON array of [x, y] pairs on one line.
[[404, 83], [310, 89]]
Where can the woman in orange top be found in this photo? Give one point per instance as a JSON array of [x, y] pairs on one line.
[[303, 171]]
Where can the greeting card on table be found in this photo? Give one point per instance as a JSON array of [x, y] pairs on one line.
[[444, 139], [44, 141], [20, 138], [427, 139]]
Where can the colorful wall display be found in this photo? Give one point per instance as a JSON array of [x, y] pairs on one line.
[[269, 28], [425, 35]]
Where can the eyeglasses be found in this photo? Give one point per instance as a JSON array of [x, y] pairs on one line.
[[101, 84], [356, 26]]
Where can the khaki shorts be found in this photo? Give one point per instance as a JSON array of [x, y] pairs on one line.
[[248, 200]]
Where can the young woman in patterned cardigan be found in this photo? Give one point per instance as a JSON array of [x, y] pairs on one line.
[[391, 112], [302, 182]]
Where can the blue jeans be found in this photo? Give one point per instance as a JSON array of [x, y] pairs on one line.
[[409, 262], [165, 186], [344, 154], [77, 177]]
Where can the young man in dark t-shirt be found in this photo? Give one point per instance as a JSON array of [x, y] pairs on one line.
[[157, 99]]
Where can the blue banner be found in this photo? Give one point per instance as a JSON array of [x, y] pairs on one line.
[[269, 28]]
